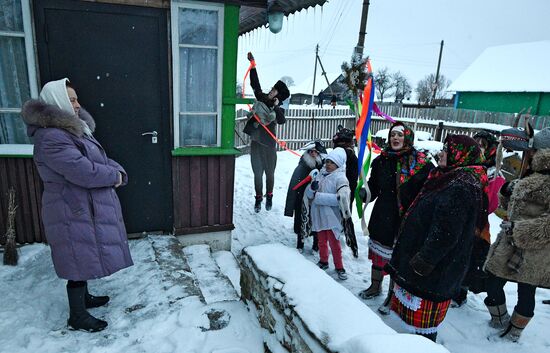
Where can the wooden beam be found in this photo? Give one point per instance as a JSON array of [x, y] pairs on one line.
[[162, 4]]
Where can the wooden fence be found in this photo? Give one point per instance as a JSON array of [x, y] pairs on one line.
[[303, 125], [459, 115]]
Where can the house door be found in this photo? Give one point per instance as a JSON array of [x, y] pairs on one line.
[[117, 58]]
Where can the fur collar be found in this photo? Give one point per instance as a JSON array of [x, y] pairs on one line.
[[541, 160], [39, 114]]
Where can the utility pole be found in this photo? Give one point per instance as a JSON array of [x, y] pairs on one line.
[[324, 73], [437, 73], [314, 73], [362, 29]]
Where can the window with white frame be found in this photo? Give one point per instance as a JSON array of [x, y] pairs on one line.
[[17, 77], [197, 52]]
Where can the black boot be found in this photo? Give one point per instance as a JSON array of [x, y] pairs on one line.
[[430, 336], [258, 203], [268, 201], [79, 318], [92, 301]]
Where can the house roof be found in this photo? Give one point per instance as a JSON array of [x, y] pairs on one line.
[[522, 67], [253, 13], [306, 85]]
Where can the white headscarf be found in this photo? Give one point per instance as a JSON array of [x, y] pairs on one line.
[[55, 93]]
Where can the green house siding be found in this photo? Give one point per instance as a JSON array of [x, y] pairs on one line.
[[509, 102], [544, 104]]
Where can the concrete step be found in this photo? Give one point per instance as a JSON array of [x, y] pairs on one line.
[[213, 284], [173, 264]]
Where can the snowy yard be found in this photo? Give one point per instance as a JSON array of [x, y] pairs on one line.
[[153, 310]]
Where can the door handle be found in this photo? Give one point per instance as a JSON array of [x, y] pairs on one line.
[[153, 134]]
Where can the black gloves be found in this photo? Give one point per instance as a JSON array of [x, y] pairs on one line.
[[315, 185]]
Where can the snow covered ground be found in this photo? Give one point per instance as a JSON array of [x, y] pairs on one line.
[[465, 329], [151, 312]]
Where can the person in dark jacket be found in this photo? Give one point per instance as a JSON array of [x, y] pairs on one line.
[[263, 152], [476, 278], [432, 252], [344, 138], [310, 160], [80, 209], [397, 175]]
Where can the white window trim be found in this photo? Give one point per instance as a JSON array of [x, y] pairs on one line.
[[31, 69], [174, 8]]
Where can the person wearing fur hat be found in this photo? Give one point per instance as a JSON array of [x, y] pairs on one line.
[[432, 251], [520, 252], [397, 175], [263, 153], [344, 138], [328, 195], [312, 159], [81, 212]]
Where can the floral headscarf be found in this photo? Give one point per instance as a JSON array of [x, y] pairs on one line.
[[409, 160], [463, 158]]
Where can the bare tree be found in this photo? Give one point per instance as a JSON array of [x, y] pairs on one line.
[[426, 86], [289, 81], [239, 90], [402, 87], [383, 82]]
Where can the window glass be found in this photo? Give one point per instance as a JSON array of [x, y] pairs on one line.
[[198, 130], [12, 129], [11, 18], [198, 27], [14, 82], [197, 55], [198, 80]]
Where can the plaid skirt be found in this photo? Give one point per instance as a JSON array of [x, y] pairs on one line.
[[425, 319]]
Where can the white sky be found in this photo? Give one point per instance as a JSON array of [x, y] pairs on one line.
[[403, 35]]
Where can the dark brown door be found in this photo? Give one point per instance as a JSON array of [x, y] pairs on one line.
[[117, 58]]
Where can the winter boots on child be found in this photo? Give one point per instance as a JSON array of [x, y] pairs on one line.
[[79, 318]]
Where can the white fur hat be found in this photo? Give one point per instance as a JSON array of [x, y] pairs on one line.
[[338, 156]]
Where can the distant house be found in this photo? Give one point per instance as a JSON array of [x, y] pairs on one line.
[[507, 78], [159, 77]]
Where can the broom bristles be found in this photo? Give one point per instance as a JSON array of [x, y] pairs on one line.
[[10, 249]]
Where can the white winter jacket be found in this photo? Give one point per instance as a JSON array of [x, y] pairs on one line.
[[327, 202]]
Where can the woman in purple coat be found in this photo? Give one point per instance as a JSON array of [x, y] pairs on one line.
[[80, 208]]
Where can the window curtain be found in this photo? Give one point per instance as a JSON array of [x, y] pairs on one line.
[[198, 64], [14, 80]]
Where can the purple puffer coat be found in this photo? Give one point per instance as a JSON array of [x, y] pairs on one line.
[[80, 208]]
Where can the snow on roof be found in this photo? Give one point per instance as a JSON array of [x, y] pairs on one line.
[[519, 67], [320, 84]]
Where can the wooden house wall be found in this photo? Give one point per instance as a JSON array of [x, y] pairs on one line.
[[203, 193], [21, 174]]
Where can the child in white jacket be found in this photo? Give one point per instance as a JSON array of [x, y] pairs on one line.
[[329, 199]]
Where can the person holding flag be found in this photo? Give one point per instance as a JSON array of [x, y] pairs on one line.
[[397, 176]]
